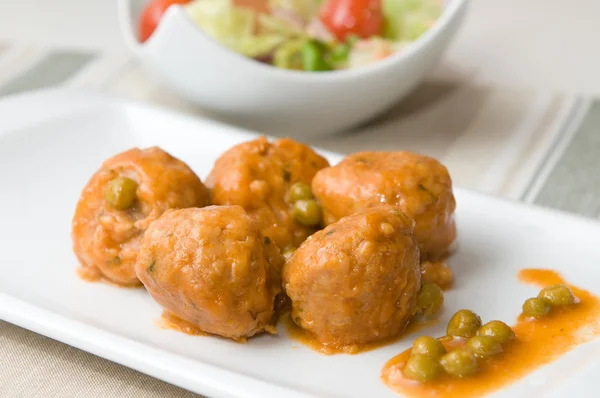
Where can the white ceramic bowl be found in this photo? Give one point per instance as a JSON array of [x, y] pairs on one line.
[[264, 98]]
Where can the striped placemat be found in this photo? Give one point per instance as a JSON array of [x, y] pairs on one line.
[[538, 147]]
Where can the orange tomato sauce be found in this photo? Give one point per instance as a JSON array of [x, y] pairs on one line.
[[437, 272], [93, 275], [538, 342], [308, 339], [89, 274], [169, 320]]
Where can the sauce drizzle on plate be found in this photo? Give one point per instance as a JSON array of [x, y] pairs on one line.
[[308, 339], [169, 320], [437, 272], [538, 342]]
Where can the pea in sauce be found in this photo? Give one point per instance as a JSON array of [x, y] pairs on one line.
[[309, 340], [537, 343]]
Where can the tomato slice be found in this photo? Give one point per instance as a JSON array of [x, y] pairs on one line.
[[152, 14], [343, 18]]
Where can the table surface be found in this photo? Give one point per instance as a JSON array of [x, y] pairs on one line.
[[508, 111]]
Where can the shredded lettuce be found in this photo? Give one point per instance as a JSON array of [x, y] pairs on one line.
[[270, 23], [338, 54], [288, 55], [371, 50], [406, 20], [233, 26], [305, 9]]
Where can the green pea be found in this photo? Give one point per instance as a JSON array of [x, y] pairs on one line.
[[430, 299], [287, 55], [352, 39], [423, 368], [121, 193], [463, 324], [307, 212], [339, 53], [557, 295], [536, 307], [483, 346], [498, 330], [300, 191], [459, 363], [313, 57], [427, 345]]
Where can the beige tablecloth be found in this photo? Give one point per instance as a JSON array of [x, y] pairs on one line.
[[539, 147]]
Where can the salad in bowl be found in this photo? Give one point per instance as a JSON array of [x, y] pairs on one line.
[[306, 35]]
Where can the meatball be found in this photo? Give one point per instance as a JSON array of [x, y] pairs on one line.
[[212, 267], [128, 192], [419, 185], [258, 175], [356, 281]]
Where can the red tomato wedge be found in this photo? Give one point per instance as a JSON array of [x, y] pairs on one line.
[[152, 14], [343, 18]]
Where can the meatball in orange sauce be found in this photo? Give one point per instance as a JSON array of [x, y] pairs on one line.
[[257, 175], [213, 268], [418, 185], [129, 191], [356, 282]]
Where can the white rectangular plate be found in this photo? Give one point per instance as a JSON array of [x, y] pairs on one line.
[[52, 142]]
